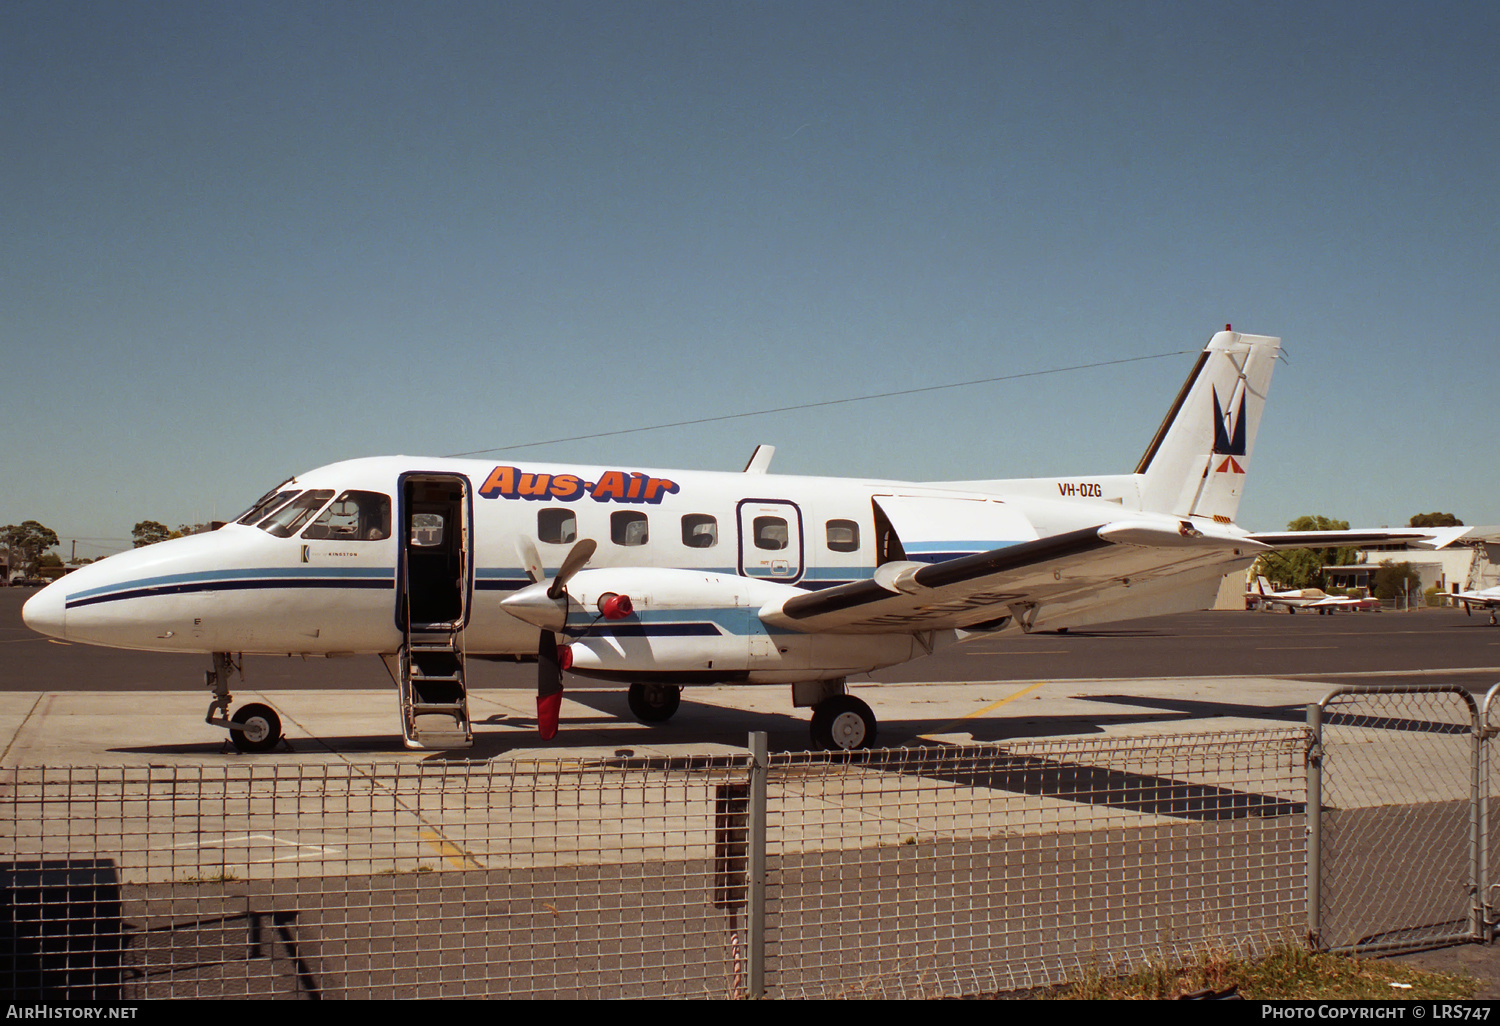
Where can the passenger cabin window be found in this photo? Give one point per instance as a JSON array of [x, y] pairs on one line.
[[556, 526], [843, 536], [770, 533], [288, 520], [700, 531], [628, 527], [426, 530], [266, 505], [354, 516]]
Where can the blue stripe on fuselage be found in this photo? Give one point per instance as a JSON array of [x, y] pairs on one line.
[[253, 578]]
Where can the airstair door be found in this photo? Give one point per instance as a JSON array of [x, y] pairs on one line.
[[436, 583], [436, 572]]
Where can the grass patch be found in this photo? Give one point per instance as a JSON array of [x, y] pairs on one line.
[[225, 877], [1286, 973]]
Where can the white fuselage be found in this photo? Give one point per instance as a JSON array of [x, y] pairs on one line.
[[243, 589]]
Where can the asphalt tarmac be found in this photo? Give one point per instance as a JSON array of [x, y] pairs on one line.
[[64, 704], [1191, 672], [1344, 646]]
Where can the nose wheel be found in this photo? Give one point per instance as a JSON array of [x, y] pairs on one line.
[[255, 728]]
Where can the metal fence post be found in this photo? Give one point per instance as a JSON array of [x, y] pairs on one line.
[[1314, 825], [1486, 735], [1476, 837], [755, 911]]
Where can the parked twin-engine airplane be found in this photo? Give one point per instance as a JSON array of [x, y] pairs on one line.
[[1485, 598], [1309, 598], [663, 579]]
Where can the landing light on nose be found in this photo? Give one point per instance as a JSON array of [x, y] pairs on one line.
[[45, 611]]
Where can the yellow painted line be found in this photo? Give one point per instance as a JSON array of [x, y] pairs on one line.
[[456, 856], [989, 708]]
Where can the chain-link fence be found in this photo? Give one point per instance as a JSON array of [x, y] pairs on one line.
[[1395, 824], [935, 871], [446, 880]]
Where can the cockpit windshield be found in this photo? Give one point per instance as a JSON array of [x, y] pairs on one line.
[[290, 518], [266, 505], [354, 516]]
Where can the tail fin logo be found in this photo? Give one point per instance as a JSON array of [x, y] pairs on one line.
[[1229, 439]]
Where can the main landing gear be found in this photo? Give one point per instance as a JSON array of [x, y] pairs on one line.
[[654, 703], [843, 723], [254, 727], [840, 722]]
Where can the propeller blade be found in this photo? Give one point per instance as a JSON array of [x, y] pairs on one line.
[[578, 555], [549, 686], [531, 562]]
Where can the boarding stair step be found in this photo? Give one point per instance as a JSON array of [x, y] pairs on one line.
[[434, 697]]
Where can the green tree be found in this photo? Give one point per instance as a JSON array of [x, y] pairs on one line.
[[149, 532], [1395, 579], [1435, 520], [26, 542], [1303, 568]]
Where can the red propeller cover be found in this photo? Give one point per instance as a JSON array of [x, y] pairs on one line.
[[615, 607]]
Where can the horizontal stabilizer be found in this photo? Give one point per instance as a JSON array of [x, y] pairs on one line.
[[1356, 539]]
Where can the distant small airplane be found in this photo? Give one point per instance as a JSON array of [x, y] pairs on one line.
[[1485, 598], [656, 580], [1310, 598]]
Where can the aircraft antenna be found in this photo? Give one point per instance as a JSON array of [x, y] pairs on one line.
[[816, 405]]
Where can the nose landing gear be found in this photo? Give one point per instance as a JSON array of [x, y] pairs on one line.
[[254, 727]]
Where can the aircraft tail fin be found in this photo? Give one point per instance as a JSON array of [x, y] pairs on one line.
[[1197, 462], [1263, 586]]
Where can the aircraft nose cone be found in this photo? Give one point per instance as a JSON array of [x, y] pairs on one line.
[[45, 611]]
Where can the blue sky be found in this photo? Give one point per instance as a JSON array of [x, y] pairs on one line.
[[241, 240]]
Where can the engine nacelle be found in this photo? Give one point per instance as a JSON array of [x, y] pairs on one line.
[[690, 626]]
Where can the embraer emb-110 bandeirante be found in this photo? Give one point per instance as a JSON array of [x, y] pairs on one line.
[[663, 579]]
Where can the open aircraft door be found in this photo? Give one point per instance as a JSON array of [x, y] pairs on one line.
[[931, 529], [435, 585], [437, 565], [770, 540]]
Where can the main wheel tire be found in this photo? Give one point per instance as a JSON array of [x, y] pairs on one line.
[[654, 703], [843, 723], [261, 728]]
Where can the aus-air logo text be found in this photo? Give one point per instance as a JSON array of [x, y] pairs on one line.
[[612, 486]]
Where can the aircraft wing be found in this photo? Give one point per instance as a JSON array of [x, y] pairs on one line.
[[1355, 539], [1333, 602], [1483, 599], [977, 589]]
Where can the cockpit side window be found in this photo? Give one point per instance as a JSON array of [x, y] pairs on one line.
[[266, 505], [354, 516], [287, 520]]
